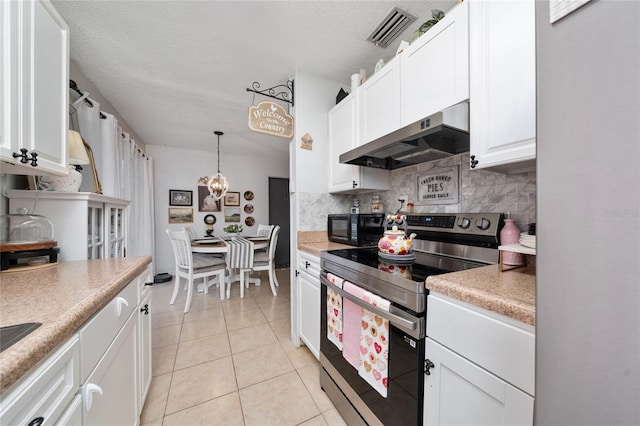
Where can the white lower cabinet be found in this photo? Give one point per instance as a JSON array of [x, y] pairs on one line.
[[309, 301], [100, 375], [144, 336], [73, 414], [479, 366], [47, 391], [109, 394], [458, 392]]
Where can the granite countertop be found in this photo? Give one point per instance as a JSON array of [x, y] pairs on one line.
[[315, 242], [511, 293], [62, 297]]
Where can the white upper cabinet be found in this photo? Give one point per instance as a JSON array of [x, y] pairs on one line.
[[343, 136], [502, 84], [35, 76], [379, 103], [434, 69]]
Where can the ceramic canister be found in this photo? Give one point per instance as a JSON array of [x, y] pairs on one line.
[[510, 234]]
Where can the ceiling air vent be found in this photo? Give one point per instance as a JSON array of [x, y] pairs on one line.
[[391, 26]]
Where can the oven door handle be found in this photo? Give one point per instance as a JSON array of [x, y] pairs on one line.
[[390, 316]]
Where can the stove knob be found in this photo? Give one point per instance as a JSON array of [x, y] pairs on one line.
[[483, 223], [464, 223]]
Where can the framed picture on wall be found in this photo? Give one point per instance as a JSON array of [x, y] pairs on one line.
[[232, 199], [232, 214], [179, 197], [180, 215], [206, 202]]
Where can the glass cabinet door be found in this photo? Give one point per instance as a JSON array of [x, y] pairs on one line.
[[95, 231], [116, 231]]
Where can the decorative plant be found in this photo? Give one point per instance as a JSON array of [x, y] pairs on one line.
[[436, 15], [233, 229]]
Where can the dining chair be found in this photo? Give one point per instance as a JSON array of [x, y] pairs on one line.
[[191, 268], [191, 232], [265, 229], [265, 261]]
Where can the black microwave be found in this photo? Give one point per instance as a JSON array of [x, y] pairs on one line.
[[356, 229]]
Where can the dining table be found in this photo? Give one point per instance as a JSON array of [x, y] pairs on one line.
[[218, 245]]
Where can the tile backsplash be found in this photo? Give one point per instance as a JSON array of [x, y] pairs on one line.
[[480, 191]]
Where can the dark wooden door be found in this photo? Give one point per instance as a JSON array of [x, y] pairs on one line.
[[279, 215]]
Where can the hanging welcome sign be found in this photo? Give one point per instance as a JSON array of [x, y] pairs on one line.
[[271, 119]]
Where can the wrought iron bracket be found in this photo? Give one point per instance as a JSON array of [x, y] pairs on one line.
[[281, 92]]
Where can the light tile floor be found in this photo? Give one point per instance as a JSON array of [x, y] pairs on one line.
[[232, 362]]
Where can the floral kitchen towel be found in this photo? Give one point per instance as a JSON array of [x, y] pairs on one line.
[[352, 331], [334, 312], [374, 345]]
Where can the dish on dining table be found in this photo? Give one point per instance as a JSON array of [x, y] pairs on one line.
[[257, 237], [206, 240]]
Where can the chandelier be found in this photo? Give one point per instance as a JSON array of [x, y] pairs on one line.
[[216, 184]]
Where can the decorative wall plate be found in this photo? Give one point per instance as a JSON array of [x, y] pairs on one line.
[[249, 221], [248, 195], [248, 208], [209, 219]]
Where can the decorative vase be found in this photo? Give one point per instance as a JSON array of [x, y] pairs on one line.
[[69, 183], [510, 234]]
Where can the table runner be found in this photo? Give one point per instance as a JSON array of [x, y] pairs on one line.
[[240, 253]]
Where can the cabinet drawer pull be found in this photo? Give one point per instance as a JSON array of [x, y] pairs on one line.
[[37, 421], [24, 158], [87, 395], [474, 162], [119, 302], [428, 365], [145, 309]]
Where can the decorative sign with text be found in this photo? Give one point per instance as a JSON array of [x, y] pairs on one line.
[[271, 119], [439, 186]]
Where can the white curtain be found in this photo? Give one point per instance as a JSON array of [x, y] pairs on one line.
[[107, 159], [135, 175], [125, 172]]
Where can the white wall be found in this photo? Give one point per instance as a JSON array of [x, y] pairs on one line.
[[180, 169], [588, 280]]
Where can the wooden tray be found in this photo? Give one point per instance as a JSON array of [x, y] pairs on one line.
[[39, 245]]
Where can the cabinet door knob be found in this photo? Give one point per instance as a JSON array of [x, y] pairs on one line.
[[297, 272], [87, 395], [145, 309], [355, 184], [306, 264], [474, 162], [428, 365], [24, 158]]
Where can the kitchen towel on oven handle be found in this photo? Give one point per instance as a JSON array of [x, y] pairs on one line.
[[334, 312], [374, 339], [352, 319]]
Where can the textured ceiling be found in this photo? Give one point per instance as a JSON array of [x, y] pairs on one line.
[[178, 70]]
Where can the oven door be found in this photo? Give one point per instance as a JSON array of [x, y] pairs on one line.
[[350, 393]]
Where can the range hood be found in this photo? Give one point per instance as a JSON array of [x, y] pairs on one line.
[[440, 135]]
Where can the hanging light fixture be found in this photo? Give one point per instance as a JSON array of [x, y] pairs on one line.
[[216, 184]]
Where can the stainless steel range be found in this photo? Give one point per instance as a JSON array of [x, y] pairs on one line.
[[444, 243]]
